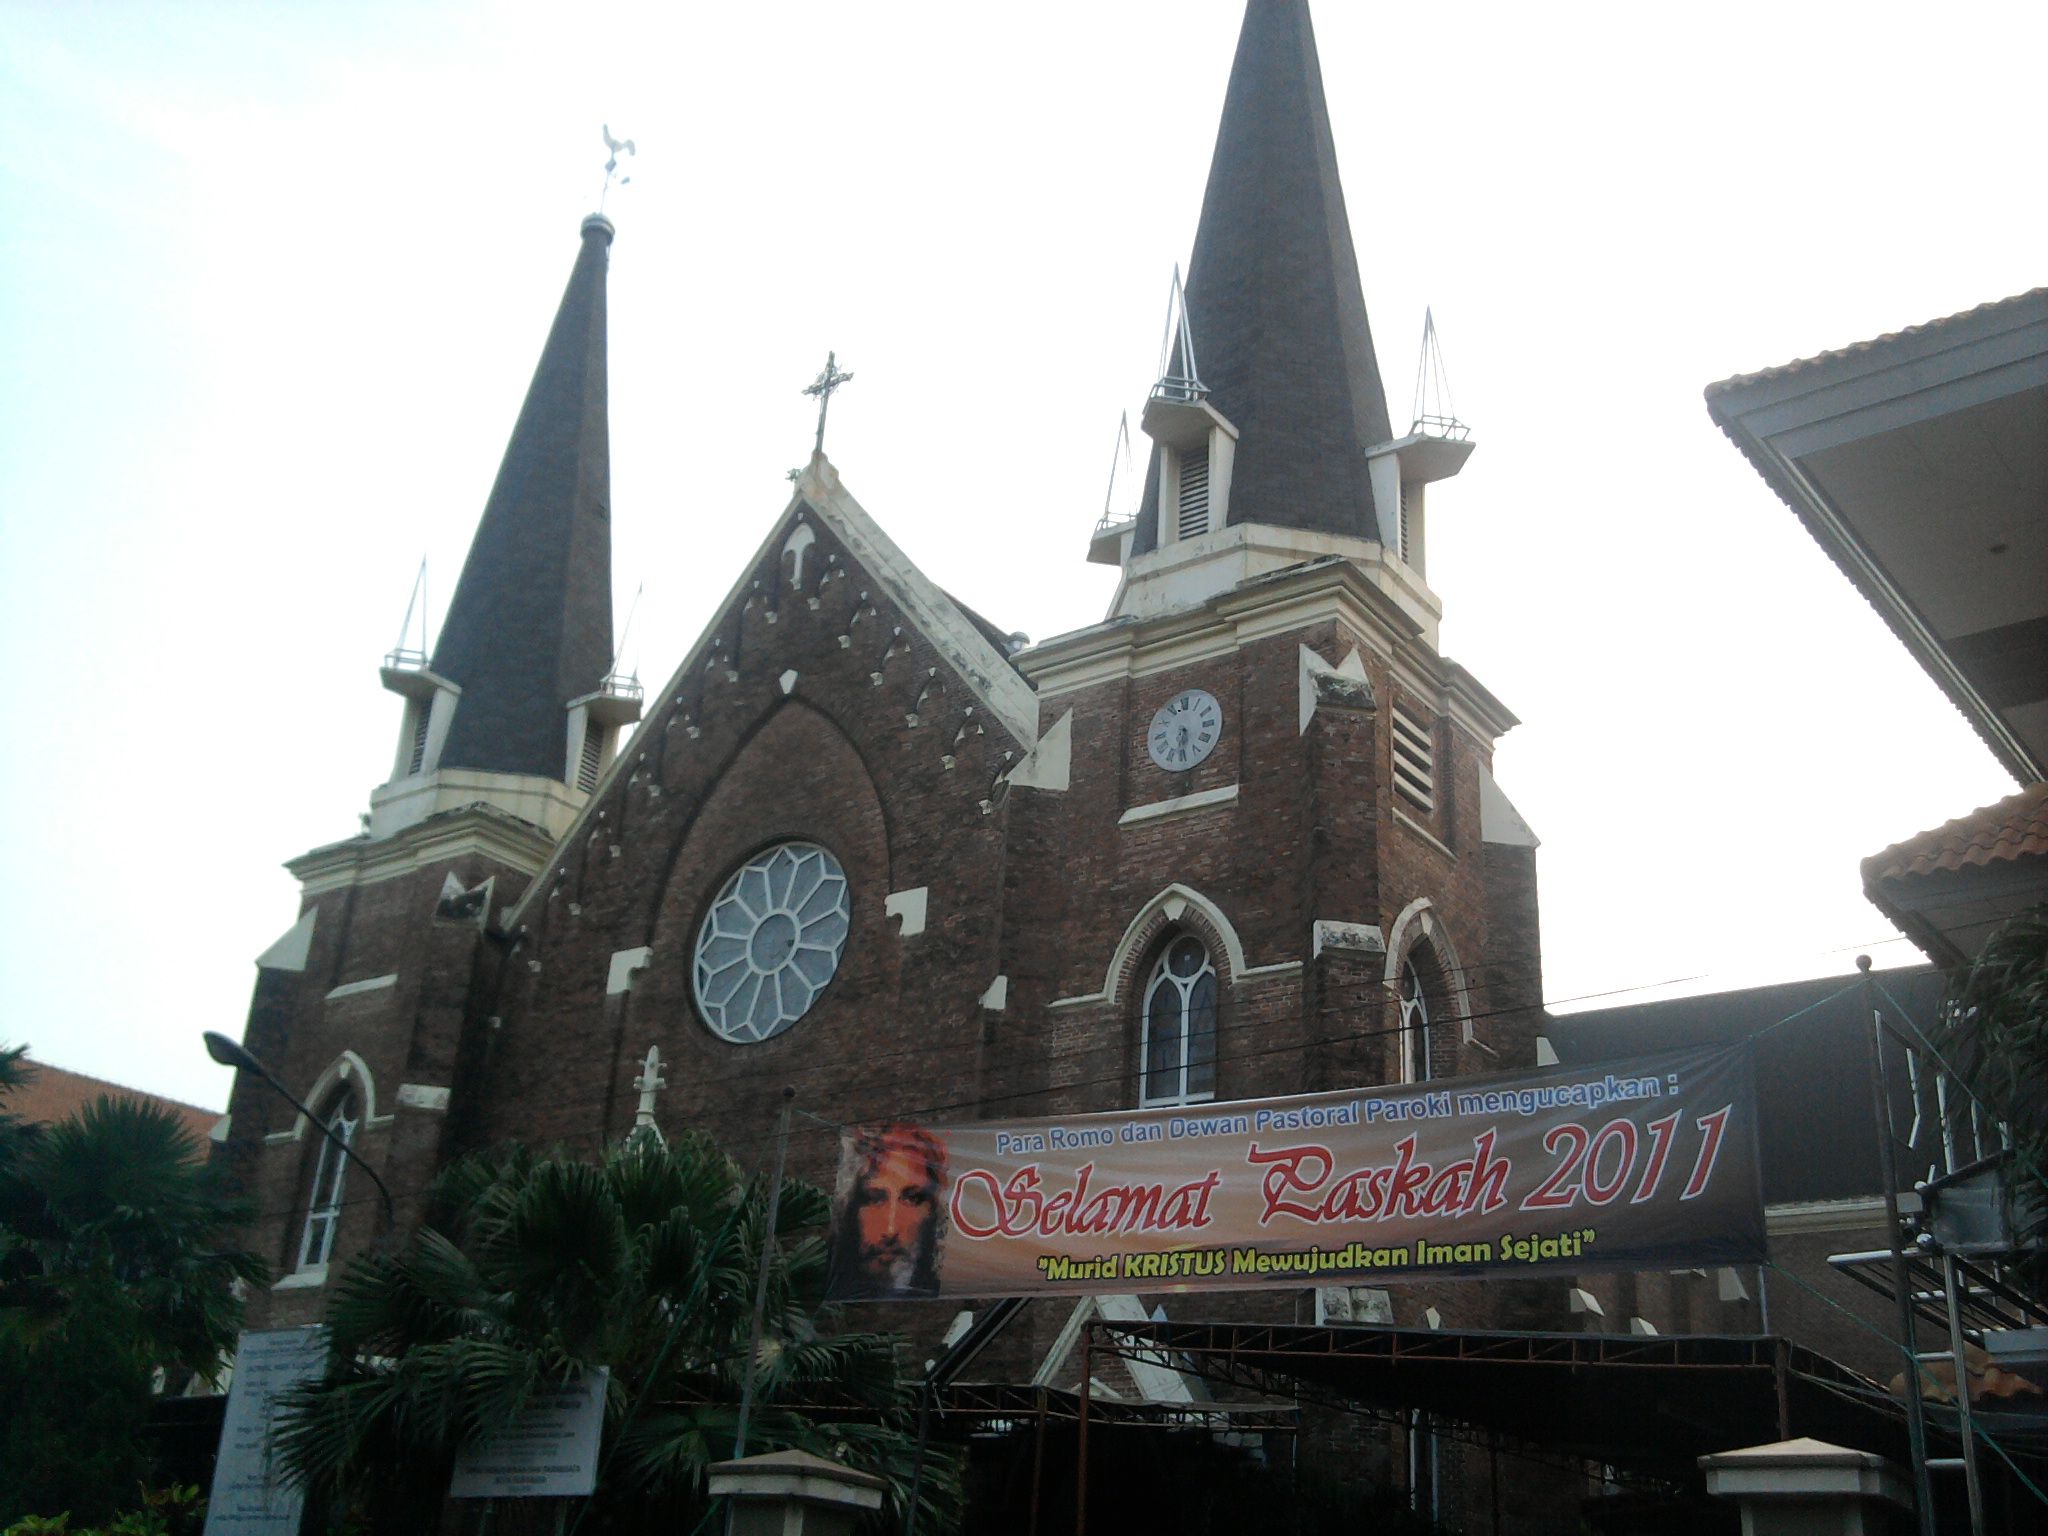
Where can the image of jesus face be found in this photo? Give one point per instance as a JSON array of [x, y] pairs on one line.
[[889, 1230]]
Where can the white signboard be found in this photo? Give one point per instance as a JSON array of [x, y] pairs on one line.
[[250, 1496], [550, 1451]]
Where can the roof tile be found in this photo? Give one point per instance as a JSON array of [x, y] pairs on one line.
[[1799, 365], [2013, 828]]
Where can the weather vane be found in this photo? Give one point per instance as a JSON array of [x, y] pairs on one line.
[[825, 383], [611, 166]]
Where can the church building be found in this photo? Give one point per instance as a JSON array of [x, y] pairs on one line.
[[1240, 838]]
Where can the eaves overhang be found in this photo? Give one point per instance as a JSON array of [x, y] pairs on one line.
[[1919, 462]]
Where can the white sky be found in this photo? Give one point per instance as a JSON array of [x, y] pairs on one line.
[[273, 280]]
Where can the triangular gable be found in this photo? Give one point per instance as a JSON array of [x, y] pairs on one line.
[[994, 685], [985, 670]]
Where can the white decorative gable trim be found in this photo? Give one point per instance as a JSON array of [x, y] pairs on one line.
[[289, 952], [624, 963], [1049, 764], [910, 907], [1343, 686], [1499, 821], [989, 675]]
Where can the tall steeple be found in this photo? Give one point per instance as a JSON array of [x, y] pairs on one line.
[[517, 685], [1274, 302], [530, 626]]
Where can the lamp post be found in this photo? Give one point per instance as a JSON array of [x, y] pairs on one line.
[[231, 1053]]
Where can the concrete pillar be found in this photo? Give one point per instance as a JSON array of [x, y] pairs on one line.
[[1807, 1488], [793, 1493]]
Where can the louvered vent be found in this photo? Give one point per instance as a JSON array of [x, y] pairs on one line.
[[1414, 760], [593, 756], [1407, 549], [1194, 493], [421, 715]]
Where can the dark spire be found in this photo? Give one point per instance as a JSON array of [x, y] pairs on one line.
[[1273, 296], [530, 626]]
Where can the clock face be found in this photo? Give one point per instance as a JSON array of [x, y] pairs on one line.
[[1185, 730]]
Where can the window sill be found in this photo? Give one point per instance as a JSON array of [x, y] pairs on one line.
[[1192, 1101], [303, 1279], [1199, 801]]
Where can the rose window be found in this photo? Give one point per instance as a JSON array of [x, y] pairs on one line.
[[771, 941]]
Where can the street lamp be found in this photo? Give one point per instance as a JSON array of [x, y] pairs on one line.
[[231, 1053]]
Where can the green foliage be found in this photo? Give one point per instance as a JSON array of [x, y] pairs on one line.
[[1996, 1038], [113, 1267], [174, 1511], [540, 1266]]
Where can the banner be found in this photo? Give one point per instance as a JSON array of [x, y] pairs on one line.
[[1647, 1163]]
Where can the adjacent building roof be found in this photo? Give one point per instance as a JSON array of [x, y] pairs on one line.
[[1818, 1135], [51, 1094], [1948, 889], [1273, 297], [1919, 462], [530, 626], [2010, 829]]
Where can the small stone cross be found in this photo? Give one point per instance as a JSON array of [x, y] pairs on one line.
[[649, 1082]]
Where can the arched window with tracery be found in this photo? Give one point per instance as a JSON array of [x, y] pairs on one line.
[[1416, 1039], [1179, 1061], [342, 1114]]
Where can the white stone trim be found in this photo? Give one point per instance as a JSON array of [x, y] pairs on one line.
[[290, 951], [368, 984], [1499, 821], [1321, 590], [788, 681], [1200, 800], [1049, 764], [1313, 669], [302, 1279], [347, 1067], [619, 978], [476, 830], [1348, 938], [997, 997], [910, 906], [987, 673], [1419, 914], [423, 1096]]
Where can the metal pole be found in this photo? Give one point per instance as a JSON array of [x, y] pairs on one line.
[[1081, 1432], [739, 1438], [1037, 1461], [230, 1053], [924, 1429], [1909, 1339], [1965, 1415], [1781, 1372]]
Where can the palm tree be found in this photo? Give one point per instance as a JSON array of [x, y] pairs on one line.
[[540, 1267], [114, 1274]]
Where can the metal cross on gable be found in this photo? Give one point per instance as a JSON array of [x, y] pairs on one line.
[[822, 387]]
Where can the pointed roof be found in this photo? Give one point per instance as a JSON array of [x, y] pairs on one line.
[[1273, 295], [530, 626]]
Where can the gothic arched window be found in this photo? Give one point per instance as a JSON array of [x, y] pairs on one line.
[[1179, 1064], [342, 1114], [1416, 1040]]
